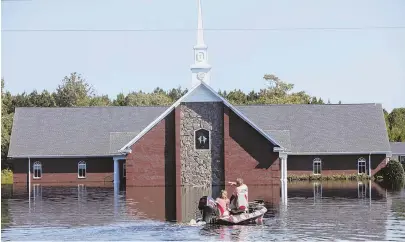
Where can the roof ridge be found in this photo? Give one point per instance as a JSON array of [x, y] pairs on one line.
[[85, 107], [307, 104]]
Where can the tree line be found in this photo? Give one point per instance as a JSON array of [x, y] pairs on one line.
[[74, 91]]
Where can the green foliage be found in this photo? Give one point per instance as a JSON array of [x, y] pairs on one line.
[[396, 127], [393, 174], [6, 176], [73, 92], [100, 101]]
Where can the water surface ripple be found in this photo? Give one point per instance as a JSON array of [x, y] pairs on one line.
[[314, 211]]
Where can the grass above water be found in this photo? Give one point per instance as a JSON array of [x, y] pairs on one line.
[[6, 177]]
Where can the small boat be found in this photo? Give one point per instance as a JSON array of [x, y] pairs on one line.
[[211, 214]]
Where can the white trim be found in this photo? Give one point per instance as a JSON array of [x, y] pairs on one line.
[[29, 179], [361, 160], [156, 121], [317, 161], [177, 103], [35, 165], [241, 115], [209, 139], [81, 163]]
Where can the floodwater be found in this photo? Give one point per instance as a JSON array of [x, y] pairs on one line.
[[314, 211]]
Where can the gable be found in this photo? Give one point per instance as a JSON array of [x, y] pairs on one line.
[[199, 93]]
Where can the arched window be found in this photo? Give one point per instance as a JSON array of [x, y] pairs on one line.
[[317, 166], [361, 165], [202, 139], [37, 169], [81, 171]]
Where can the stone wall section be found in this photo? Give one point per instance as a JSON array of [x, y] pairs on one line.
[[201, 167]]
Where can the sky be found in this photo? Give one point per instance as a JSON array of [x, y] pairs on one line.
[[360, 65]]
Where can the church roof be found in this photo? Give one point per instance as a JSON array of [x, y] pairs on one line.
[[398, 148], [81, 131], [343, 128], [101, 131]]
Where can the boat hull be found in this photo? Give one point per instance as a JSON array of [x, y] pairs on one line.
[[255, 217]]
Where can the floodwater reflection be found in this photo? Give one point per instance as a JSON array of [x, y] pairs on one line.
[[315, 211]]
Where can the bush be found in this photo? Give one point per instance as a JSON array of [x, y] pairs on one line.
[[393, 174], [6, 176]]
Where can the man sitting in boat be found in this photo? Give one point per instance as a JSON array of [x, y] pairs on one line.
[[223, 203], [239, 199]]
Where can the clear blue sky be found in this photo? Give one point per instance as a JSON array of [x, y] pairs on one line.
[[348, 65]]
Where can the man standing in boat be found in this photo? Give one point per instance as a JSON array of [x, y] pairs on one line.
[[239, 199]]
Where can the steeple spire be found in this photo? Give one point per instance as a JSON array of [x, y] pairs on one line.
[[200, 32], [200, 70]]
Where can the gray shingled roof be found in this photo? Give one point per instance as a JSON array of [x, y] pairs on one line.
[[398, 148], [88, 131], [325, 128], [100, 131]]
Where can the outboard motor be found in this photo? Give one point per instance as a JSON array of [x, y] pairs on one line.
[[208, 209]]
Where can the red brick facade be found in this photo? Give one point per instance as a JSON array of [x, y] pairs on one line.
[[152, 160], [332, 164], [247, 154], [65, 170]]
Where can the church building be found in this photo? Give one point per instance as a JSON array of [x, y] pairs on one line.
[[200, 140]]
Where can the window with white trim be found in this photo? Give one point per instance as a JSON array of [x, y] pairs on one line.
[[37, 170], [81, 169], [402, 159], [124, 169], [361, 165], [317, 166]]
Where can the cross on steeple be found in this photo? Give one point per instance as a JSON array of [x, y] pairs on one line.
[[200, 69]]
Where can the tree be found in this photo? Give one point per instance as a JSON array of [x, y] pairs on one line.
[[145, 99], [279, 92], [6, 123], [6, 100], [100, 101], [73, 92], [396, 121], [237, 97], [6, 126], [120, 101], [176, 93]]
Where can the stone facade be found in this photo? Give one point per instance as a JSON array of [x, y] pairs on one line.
[[201, 167]]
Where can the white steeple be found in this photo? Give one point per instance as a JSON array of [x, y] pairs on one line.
[[200, 70]]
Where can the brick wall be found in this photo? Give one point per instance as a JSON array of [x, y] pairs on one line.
[[332, 164], [64, 170], [152, 161], [247, 154]]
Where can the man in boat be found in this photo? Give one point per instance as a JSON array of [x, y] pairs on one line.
[[239, 200]]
